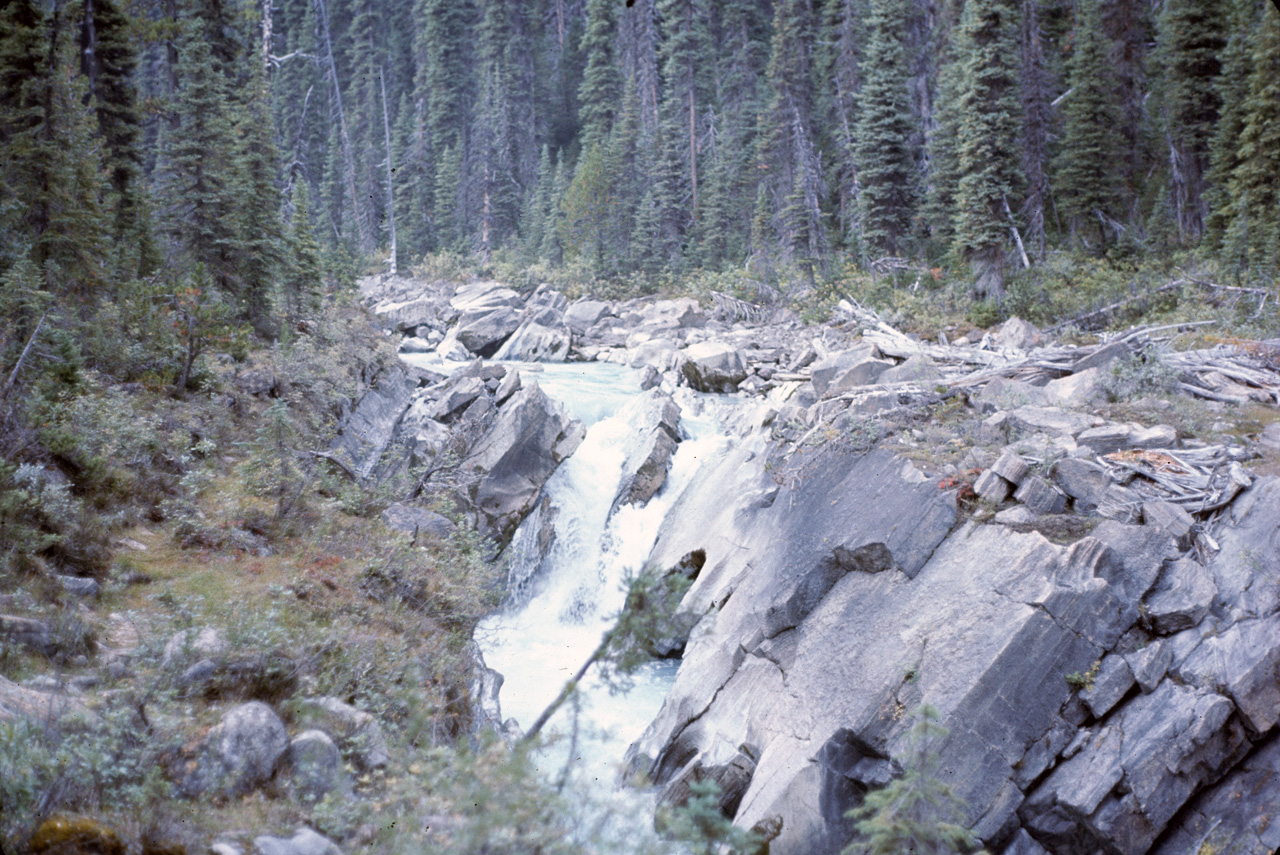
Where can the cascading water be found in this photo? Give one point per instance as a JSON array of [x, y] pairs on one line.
[[564, 599]]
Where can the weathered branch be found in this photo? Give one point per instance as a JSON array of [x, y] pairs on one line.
[[13, 375]]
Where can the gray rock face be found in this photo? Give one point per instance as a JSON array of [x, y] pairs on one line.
[[367, 432], [1082, 480], [714, 367], [315, 764], [186, 646], [1182, 599], [530, 438], [304, 842], [1133, 774], [647, 463], [824, 372]]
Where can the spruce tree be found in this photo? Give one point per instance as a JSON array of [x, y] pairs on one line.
[[1232, 88], [840, 55], [987, 153], [301, 283], [1088, 185], [601, 87], [1189, 46], [885, 163], [1253, 237], [261, 236]]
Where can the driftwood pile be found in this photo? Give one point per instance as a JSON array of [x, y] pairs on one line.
[[1234, 371]]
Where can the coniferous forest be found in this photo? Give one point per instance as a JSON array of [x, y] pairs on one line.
[[249, 145]]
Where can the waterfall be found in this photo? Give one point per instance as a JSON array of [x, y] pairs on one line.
[[568, 563]]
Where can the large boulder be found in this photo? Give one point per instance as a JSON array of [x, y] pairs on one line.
[[657, 418], [239, 754], [713, 366], [582, 315], [357, 732], [529, 439], [304, 842], [536, 342]]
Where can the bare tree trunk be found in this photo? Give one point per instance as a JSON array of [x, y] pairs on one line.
[[391, 200], [349, 163], [266, 34]]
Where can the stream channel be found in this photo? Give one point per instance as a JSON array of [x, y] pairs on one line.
[[561, 603]]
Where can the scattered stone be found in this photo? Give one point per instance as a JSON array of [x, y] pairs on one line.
[[649, 378], [1082, 480], [992, 487], [185, 645], [1040, 497], [258, 383], [1102, 357], [78, 586], [239, 754], [1018, 515], [315, 764], [358, 733], [418, 522], [1182, 598], [304, 842], [1018, 334], [28, 632], [1050, 420], [1110, 684], [536, 342], [1011, 467], [1170, 518], [455, 395]]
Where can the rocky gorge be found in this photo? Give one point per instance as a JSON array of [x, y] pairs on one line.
[[1090, 604], [1068, 551]]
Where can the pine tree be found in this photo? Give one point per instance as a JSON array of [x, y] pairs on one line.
[[1189, 46], [200, 168], [917, 812], [261, 236], [786, 153], [301, 284], [840, 55], [886, 166], [600, 90], [987, 153], [1088, 186], [1253, 237], [1232, 89]]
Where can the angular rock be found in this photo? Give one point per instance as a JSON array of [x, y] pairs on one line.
[[1018, 334], [483, 330], [1011, 467], [644, 472], [407, 314], [187, 645], [304, 842], [485, 295], [418, 522], [1075, 390], [1083, 480], [1149, 664], [1017, 515], [357, 732], [824, 371], [1249, 551], [21, 703], [582, 315], [714, 367], [1040, 497], [1135, 773], [1242, 661], [1143, 550], [1103, 356], [1050, 420], [1023, 844], [27, 632], [315, 765], [992, 487], [509, 385], [1112, 682], [536, 342], [367, 432], [1120, 504], [1182, 599], [1119, 437], [917, 369], [455, 395], [1169, 518], [530, 437], [1236, 815], [862, 373]]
